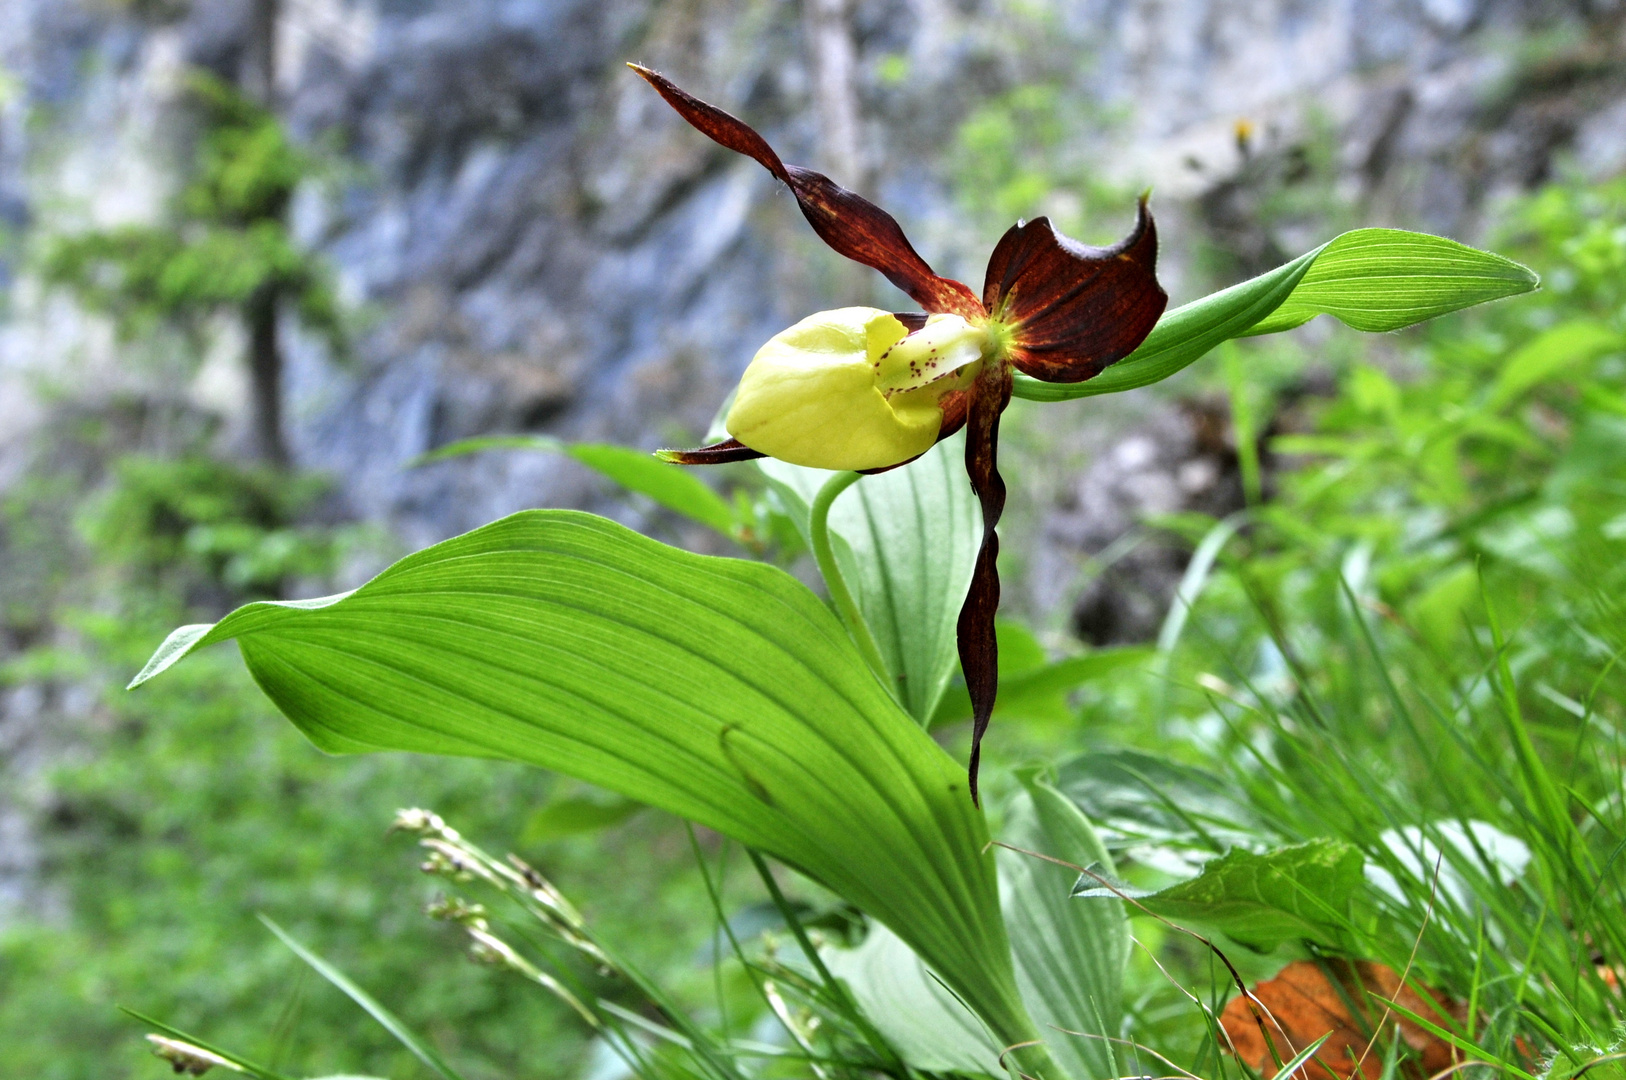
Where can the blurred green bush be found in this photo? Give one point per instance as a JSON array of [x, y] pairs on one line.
[[168, 821]]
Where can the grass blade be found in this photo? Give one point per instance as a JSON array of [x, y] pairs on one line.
[[386, 1019]]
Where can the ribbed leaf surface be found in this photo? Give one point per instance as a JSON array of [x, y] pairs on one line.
[[1379, 280], [907, 542], [719, 690], [1070, 954]]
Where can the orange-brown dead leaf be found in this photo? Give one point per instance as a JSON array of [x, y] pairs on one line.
[[1303, 1003]]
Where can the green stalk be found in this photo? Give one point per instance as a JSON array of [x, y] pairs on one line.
[[819, 538], [1242, 425]]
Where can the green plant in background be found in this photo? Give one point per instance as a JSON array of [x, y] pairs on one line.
[[193, 814], [725, 692], [226, 249], [213, 522], [1414, 649], [1010, 158]]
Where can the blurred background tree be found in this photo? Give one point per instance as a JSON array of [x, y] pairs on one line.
[[225, 248]]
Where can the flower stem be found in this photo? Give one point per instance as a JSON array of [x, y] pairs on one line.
[[819, 536]]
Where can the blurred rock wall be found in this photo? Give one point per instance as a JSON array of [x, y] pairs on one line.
[[535, 243]]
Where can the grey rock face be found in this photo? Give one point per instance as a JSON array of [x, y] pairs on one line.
[[544, 246]]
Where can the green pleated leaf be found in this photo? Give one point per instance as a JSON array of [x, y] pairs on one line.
[[1379, 280], [671, 486], [717, 689], [1371, 279], [1069, 957], [1070, 954], [907, 542], [923, 1022], [1303, 892]]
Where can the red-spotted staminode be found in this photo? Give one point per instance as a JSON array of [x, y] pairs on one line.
[[867, 390]]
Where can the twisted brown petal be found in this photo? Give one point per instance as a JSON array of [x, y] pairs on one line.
[[956, 406], [849, 223], [1074, 309], [979, 650], [715, 454]]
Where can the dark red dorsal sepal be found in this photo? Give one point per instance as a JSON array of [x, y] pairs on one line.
[[848, 222]]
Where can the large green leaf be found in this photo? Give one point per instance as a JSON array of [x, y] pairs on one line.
[[1069, 954], [925, 1023], [717, 689], [907, 542], [1371, 279], [1305, 891]]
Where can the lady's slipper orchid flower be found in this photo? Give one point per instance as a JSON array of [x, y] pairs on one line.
[[867, 390]]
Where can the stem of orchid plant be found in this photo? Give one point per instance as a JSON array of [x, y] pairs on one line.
[[840, 595]]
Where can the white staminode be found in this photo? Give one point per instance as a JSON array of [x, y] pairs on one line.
[[944, 345]]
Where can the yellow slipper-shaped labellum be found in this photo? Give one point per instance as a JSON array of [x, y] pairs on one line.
[[852, 389]]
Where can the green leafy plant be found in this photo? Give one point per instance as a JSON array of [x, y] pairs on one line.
[[724, 691], [227, 249], [199, 521]]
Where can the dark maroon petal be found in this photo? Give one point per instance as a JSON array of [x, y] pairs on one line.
[[715, 454], [849, 223], [1074, 309], [956, 405], [979, 649]]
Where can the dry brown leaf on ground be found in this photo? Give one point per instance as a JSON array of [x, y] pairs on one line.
[[1309, 999]]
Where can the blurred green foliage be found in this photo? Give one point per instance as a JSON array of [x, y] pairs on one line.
[[228, 240], [198, 518], [167, 822], [1015, 157]]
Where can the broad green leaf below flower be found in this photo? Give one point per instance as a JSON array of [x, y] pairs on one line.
[[716, 689], [1370, 279], [1069, 956], [906, 541]]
